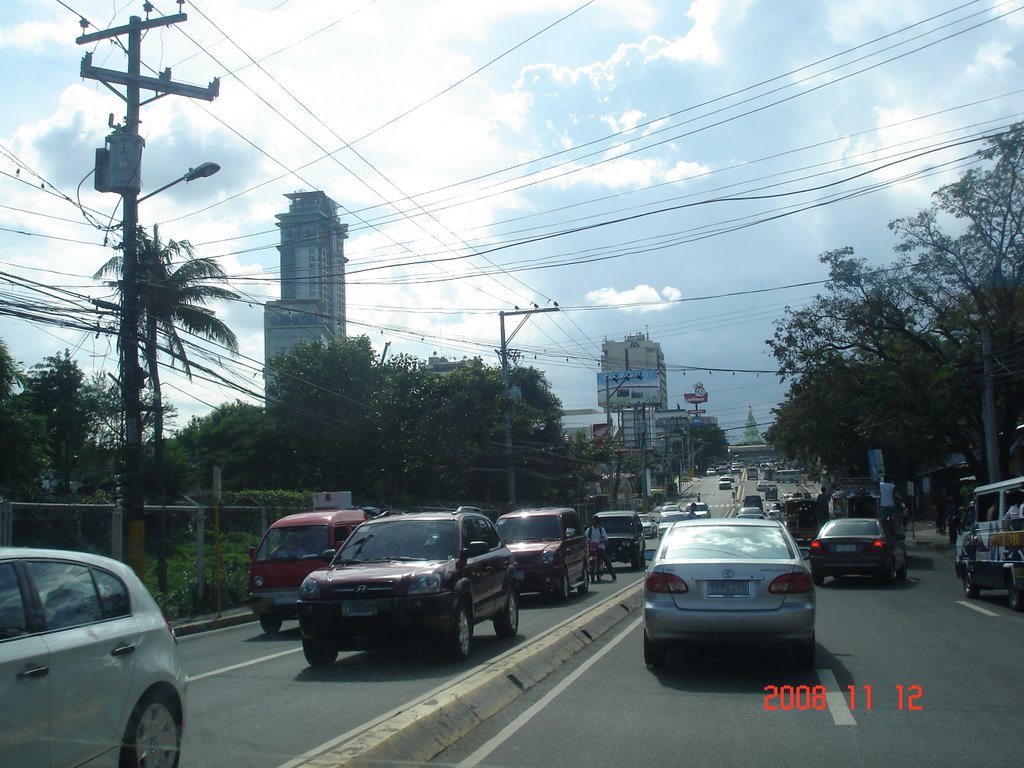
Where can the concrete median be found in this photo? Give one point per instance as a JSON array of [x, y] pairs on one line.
[[427, 727]]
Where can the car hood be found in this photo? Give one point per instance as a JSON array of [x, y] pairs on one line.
[[531, 547], [391, 570]]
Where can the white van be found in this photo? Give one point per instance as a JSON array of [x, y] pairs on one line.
[[990, 549]]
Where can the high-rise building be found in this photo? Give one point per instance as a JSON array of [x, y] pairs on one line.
[[312, 303], [637, 353]]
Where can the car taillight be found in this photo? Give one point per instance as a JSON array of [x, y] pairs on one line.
[[816, 546], [790, 584], [877, 545], [667, 583]]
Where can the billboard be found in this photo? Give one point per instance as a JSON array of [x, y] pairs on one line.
[[626, 388]]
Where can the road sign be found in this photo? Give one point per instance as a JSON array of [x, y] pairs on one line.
[[697, 421], [696, 411], [695, 397]]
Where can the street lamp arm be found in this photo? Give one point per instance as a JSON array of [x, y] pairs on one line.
[[199, 172]]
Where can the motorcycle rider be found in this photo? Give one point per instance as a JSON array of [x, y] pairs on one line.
[[599, 536]]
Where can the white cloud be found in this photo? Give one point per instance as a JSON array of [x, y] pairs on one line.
[[640, 298]]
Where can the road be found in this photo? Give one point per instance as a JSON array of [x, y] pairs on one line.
[[253, 701], [944, 681]]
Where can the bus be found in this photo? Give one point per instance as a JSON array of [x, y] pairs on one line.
[[787, 475]]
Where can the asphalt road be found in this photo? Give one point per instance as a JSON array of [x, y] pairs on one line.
[[944, 679]]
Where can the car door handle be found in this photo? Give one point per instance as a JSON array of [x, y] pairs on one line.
[[40, 671], [123, 650]]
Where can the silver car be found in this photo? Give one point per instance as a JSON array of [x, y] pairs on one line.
[[728, 580], [90, 668]]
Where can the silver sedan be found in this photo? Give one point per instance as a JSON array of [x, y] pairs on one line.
[[728, 580]]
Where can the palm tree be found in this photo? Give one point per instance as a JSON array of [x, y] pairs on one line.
[[174, 288]]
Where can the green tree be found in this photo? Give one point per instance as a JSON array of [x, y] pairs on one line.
[[23, 442], [54, 390], [175, 289], [910, 384]]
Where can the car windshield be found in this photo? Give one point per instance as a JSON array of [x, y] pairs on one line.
[[617, 524], [527, 528], [852, 528], [400, 539], [714, 542], [294, 542]]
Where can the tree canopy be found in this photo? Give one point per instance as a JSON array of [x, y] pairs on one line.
[[891, 356]]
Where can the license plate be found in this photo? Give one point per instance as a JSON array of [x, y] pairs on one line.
[[728, 588], [285, 601], [359, 609], [846, 547]]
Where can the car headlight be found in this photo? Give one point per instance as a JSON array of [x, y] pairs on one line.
[[425, 584], [547, 557], [257, 581], [309, 589]]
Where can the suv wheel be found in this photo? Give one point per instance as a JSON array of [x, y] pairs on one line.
[[584, 585], [318, 655], [638, 558], [270, 623], [459, 641], [1016, 596], [507, 624], [564, 588]]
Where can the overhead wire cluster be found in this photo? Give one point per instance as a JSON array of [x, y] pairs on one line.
[[476, 251]]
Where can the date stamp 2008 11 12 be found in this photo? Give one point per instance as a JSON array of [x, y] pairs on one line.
[[803, 697]]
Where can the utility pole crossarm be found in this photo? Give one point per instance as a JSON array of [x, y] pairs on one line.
[[160, 85], [136, 23]]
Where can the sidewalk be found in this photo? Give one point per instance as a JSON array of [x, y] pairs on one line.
[[923, 534]]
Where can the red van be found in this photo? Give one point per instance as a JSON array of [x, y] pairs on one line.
[[291, 549]]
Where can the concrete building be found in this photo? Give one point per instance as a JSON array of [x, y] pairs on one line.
[[636, 353], [312, 303]]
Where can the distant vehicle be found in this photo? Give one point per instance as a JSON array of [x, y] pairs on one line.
[[762, 485], [787, 475], [550, 550], [699, 509], [751, 473], [650, 526], [725, 483], [727, 580], [291, 548], [626, 542], [711, 472], [667, 518], [857, 546], [771, 493], [751, 512], [753, 500], [432, 575], [91, 669]]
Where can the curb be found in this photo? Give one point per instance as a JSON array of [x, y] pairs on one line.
[[431, 725], [195, 626]]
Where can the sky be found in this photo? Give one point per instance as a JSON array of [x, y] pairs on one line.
[[668, 168]]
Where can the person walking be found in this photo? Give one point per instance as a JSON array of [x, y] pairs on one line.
[[952, 519], [939, 509]]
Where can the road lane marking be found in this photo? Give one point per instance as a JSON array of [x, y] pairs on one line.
[[977, 608], [837, 706], [233, 667], [506, 732]]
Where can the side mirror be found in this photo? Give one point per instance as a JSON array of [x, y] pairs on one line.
[[476, 549], [327, 555], [252, 553], [570, 532]]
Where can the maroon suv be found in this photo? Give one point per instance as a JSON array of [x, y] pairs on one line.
[[550, 548], [432, 575]]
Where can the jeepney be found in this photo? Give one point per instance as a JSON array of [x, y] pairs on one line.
[[989, 552]]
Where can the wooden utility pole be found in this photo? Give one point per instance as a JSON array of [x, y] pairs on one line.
[[119, 169]]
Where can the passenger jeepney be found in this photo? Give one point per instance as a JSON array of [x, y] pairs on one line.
[[990, 551]]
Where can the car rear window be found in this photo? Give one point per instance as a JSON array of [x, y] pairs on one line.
[[617, 524], [754, 542], [536, 528], [851, 528], [397, 539]]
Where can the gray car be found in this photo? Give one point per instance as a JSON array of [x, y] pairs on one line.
[[726, 580]]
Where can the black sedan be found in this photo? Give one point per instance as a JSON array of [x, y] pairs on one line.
[[857, 546]]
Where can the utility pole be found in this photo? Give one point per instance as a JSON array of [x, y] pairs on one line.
[[119, 169], [506, 376], [988, 411]]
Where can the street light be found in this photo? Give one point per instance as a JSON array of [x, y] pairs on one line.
[[199, 172], [131, 373]]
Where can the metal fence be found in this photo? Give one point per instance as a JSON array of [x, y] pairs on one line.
[[200, 552]]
